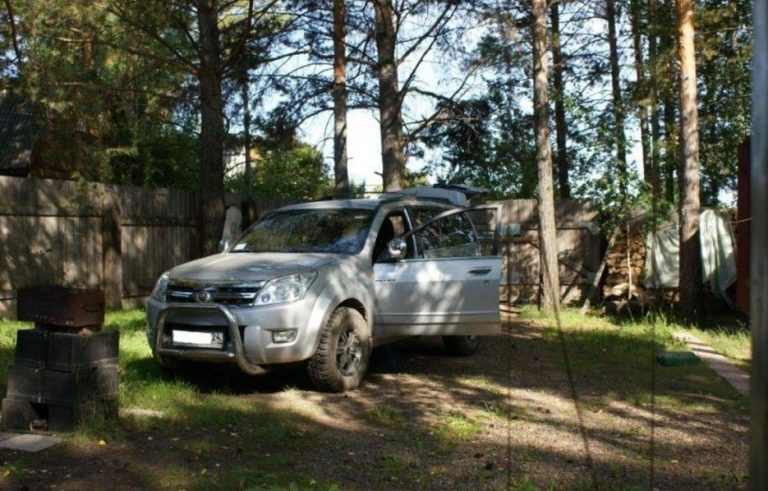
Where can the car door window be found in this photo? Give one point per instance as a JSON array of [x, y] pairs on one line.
[[394, 225], [450, 236]]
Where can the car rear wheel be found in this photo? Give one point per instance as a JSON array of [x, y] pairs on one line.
[[341, 359], [461, 345]]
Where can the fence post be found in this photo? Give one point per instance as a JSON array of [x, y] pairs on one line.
[[758, 276], [112, 252]]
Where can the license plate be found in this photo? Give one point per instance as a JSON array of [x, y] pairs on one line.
[[197, 339]]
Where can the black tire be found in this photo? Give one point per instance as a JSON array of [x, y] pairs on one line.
[[341, 359], [461, 345]]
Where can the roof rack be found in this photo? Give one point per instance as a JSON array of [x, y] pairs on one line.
[[455, 194]]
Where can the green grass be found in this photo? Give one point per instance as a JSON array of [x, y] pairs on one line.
[[617, 359], [732, 342], [454, 429], [202, 414], [387, 416], [208, 419], [8, 331]]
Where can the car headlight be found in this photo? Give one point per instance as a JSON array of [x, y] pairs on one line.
[[158, 292], [285, 289]]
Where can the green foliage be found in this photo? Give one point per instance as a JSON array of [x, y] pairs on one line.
[[286, 172], [486, 141], [724, 73], [104, 112]]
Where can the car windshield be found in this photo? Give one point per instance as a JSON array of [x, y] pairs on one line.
[[341, 231]]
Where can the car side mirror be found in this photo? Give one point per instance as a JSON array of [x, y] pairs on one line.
[[397, 248], [224, 244]]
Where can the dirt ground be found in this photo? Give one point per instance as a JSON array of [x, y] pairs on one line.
[[504, 418]]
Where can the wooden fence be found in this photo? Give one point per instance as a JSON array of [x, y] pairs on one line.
[[578, 243], [121, 238], [91, 235]]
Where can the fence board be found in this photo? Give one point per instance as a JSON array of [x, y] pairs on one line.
[[578, 248], [51, 232]]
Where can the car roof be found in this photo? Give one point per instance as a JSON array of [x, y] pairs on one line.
[[364, 204]]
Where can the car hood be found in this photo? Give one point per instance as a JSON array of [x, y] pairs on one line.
[[249, 266]]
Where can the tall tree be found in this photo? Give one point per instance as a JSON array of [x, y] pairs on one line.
[[558, 67], [636, 21], [547, 230], [653, 98], [690, 244], [341, 175], [211, 126], [389, 100], [620, 139], [669, 81]]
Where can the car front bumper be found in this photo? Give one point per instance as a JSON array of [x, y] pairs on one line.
[[248, 332]]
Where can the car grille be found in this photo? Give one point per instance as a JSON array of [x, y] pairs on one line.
[[238, 295]]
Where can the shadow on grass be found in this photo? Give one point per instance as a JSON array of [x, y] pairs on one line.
[[420, 420]]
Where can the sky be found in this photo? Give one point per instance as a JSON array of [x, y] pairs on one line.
[[363, 143], [363, 137]]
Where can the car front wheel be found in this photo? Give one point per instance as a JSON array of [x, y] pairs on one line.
[[341, 359]]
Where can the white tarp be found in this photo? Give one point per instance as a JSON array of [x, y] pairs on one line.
[[718, 256]]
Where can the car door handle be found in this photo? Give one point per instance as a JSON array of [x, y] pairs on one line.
[[480, 271]]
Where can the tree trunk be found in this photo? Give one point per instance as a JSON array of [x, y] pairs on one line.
[[671, 156], [654, 99], [391, 121], [340, 101], [618, 105], [13, 33], [690, 248], [758, 240], [649, 173], [560, 130], [211, 128], [248, 173], [547, 232]]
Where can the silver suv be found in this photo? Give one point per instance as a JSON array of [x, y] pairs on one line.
[[324, 282]]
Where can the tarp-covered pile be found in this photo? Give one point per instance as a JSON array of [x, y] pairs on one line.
[[718, 255]]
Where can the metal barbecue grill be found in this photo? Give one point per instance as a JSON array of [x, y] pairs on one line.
[[66, 367]]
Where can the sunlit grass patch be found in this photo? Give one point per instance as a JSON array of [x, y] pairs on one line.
[[617, 360], [386, 415], [126, 320], [735, 343], [453, 429], [8, 330]]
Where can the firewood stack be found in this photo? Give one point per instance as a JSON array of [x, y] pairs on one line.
[[617, 278], [65, 368]]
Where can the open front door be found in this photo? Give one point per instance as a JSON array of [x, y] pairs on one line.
[[448, 286]]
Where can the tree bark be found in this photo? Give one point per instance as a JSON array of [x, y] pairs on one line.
[[14, 33], [670, 147], [391, 121], [636, 20], [653, 87], [248, 172], [211, 128], [758, 275], [559, 87], [340, 172], [671, 157], [547, 233], [618, 104], [690, 248]]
